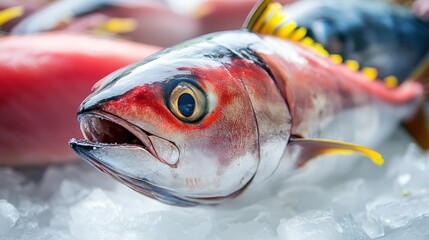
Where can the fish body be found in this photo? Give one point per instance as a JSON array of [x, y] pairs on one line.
[[43, 79], [150, 21], [199, 122], [388, 37]]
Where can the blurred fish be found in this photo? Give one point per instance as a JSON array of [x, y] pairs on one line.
[[377, 34], [150, 21], [26, 7], [421, 8], [43, 79], [205, 120], [149, 18]]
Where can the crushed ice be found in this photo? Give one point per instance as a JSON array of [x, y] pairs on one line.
[[330, 199]]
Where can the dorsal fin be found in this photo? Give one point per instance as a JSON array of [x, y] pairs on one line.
[[255, 15], [268, 18]]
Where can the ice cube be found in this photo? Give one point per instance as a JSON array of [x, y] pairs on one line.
[[398, 213], [416, 229], [8, 216], [319, 225]]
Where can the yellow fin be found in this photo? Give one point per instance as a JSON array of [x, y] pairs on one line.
[[391, 81], [286, 30], [370, 73], [256, 15], [261, 20], [10, 13], [320, 49], [275, 18], [307, 41], [352, 64], [268, 18], [119, 25], [298, 34], [337, 58], [311, 148]]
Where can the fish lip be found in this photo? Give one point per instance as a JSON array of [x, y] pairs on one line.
[[143, 186], [141, 134], [133, 129]]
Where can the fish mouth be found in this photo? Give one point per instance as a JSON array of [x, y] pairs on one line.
[[135, 158], [127, 153], [103, 129]]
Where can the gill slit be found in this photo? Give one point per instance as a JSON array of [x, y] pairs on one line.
[[254, 115]]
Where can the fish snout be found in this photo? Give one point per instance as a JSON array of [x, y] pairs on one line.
[[103, 128]]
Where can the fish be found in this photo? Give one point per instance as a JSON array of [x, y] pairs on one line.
[[151, 22], [203, 121], [43, 79], [130, 19], [374, 33]]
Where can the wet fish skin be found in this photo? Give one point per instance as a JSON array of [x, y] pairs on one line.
[[260, 90]]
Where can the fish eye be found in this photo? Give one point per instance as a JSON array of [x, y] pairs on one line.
[[187, 102]]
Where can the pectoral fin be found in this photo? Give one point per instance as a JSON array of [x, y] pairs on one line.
[[311, 148]]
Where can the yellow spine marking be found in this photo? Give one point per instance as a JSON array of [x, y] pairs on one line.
[[298, 34], [391, 81], [262, 19], [320, 49], [370, 73], [352, 65], [307, 41], [274, 21], [337, 58], [10, 13], [287, 29]]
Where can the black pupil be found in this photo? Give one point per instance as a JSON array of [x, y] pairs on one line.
[[186, 104]]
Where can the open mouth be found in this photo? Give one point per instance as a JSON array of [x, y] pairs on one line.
[[102, 128], [110, 142]]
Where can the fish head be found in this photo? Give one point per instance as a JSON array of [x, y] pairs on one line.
[[178, 127]]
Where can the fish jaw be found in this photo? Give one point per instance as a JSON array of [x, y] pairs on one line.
[[136, 158], [121, 163], [132, 159]]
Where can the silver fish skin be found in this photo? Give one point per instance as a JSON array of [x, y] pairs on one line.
[[203, 121]]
